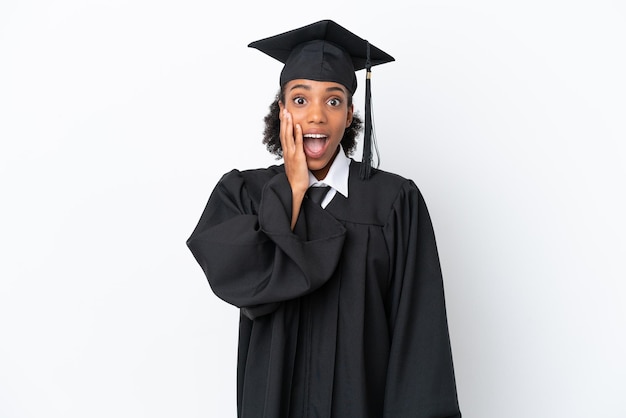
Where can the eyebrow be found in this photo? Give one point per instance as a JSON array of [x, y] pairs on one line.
[[300, 86]]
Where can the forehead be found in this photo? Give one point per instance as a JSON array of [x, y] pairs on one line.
[[314, 86]]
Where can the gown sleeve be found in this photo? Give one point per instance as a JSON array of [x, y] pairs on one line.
[[248, 252], [420, 374]]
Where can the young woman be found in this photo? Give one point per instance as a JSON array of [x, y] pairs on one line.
[[341, 299]]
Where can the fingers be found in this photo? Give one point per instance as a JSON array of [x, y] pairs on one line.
[[291, 141], [286, 132], [298, 140], [291, 138]]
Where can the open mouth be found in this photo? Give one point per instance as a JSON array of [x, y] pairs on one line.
[[314, 144]]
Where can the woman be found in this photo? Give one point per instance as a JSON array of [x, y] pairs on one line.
[[341, 300]]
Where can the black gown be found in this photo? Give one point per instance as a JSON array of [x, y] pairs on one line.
[[344, 316]]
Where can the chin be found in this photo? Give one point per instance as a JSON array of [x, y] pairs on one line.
[[317, 165]]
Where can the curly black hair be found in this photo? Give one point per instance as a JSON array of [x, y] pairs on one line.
[[271, 133]]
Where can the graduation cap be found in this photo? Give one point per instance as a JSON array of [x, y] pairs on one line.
[[326, 51]]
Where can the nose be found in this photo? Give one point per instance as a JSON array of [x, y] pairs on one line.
[[316, 113]]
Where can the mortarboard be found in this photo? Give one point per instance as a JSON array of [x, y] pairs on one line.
[[326, 51]]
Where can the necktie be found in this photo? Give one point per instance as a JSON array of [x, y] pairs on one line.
[[316, 194]]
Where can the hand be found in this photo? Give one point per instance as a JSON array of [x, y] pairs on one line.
[[296, 168], [293, 153]]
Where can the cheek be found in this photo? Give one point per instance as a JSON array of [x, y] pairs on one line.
[[342, 121], [296, 114]]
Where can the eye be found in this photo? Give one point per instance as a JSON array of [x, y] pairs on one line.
[[334, 102], [299, 100]]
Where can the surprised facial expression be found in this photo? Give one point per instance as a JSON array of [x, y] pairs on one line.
[[321, 109]]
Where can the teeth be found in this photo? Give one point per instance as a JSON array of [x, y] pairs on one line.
[[315, 136]]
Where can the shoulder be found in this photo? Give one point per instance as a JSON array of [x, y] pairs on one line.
[[250, 178], [247, 183], [383, 193], [388, 180], [386, 185]]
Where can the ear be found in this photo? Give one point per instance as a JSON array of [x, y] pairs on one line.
[[349, 116], [281, 106]]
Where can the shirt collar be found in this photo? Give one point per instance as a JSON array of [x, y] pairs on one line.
[[337, 176]]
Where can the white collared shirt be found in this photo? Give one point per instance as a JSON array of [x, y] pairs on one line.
[[336, 178]]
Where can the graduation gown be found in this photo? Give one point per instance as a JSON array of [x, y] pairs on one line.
[[342, 317]]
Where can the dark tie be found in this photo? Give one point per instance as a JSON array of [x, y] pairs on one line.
[[316, 194]]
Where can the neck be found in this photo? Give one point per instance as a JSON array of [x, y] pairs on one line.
[[322, 172]]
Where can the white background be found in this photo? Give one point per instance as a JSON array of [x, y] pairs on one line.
[[117, 118]]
